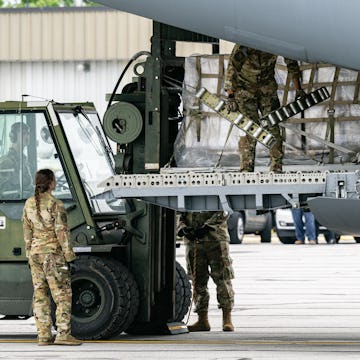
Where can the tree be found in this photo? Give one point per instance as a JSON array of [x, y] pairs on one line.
[[44, 3]]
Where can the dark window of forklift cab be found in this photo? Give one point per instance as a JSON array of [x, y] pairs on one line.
[[25, 147], [92, 155]]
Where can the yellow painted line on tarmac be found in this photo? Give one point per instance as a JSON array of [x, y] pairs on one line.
[[16, 341], [205, 342], [229, 342]]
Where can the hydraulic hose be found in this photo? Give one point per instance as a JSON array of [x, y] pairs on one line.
[[133, 58]]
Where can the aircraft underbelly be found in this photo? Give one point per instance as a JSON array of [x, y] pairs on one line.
[[339, 215], [307, 30]]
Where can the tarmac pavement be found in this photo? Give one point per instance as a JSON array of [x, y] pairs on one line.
[[292, 302]]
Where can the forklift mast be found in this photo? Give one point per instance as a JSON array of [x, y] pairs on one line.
[[144, 120]]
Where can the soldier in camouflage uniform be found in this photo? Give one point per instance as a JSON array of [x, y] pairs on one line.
[[207, 253], [15, 175], [47, 241], [251, 86]]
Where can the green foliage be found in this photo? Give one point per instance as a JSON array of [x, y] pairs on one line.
[[89, 3], [42, 3]]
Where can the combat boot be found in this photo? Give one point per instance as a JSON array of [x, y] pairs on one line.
[[67, 340], [202, 324], [227, 323], [44, 341]]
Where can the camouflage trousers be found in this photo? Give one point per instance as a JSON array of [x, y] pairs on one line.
[[50, 272], [250, 103], [212, 259]]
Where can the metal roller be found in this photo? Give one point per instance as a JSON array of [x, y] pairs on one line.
[[309, 101], [294, 107], [219, 106], [288, 112], [238, 119], [323, 92], [257, 132], [316, 97], [268, 139], [301, 104], [280, 114], [273, 119], [200, 93], [326, 92], [249, 124]]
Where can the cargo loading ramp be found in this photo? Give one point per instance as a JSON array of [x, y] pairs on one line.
[[187, 190]]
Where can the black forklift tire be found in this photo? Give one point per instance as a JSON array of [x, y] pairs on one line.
[[357, 239], [105, 298], [182, 293], [134, 297], [182, 303]]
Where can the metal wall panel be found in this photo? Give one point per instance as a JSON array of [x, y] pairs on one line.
[[71, 34], [61, 81], [67, 34], [45, 52]]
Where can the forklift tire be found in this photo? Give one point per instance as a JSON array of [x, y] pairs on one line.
[[105, 298], [134, 296], [182, 293], [182, 304]]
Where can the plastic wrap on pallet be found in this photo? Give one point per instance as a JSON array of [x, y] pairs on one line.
[[201, 140], [191, 151]]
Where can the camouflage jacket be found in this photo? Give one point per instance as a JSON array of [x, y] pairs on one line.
[[10, 181], [51, 237], [251, 69], [216, 220]]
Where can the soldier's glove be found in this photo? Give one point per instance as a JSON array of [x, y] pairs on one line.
[[188, 232], [202, 232], [300, 94], [71, 266], [231, 104]]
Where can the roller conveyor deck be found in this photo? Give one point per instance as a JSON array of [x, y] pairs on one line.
[[190, 190]]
